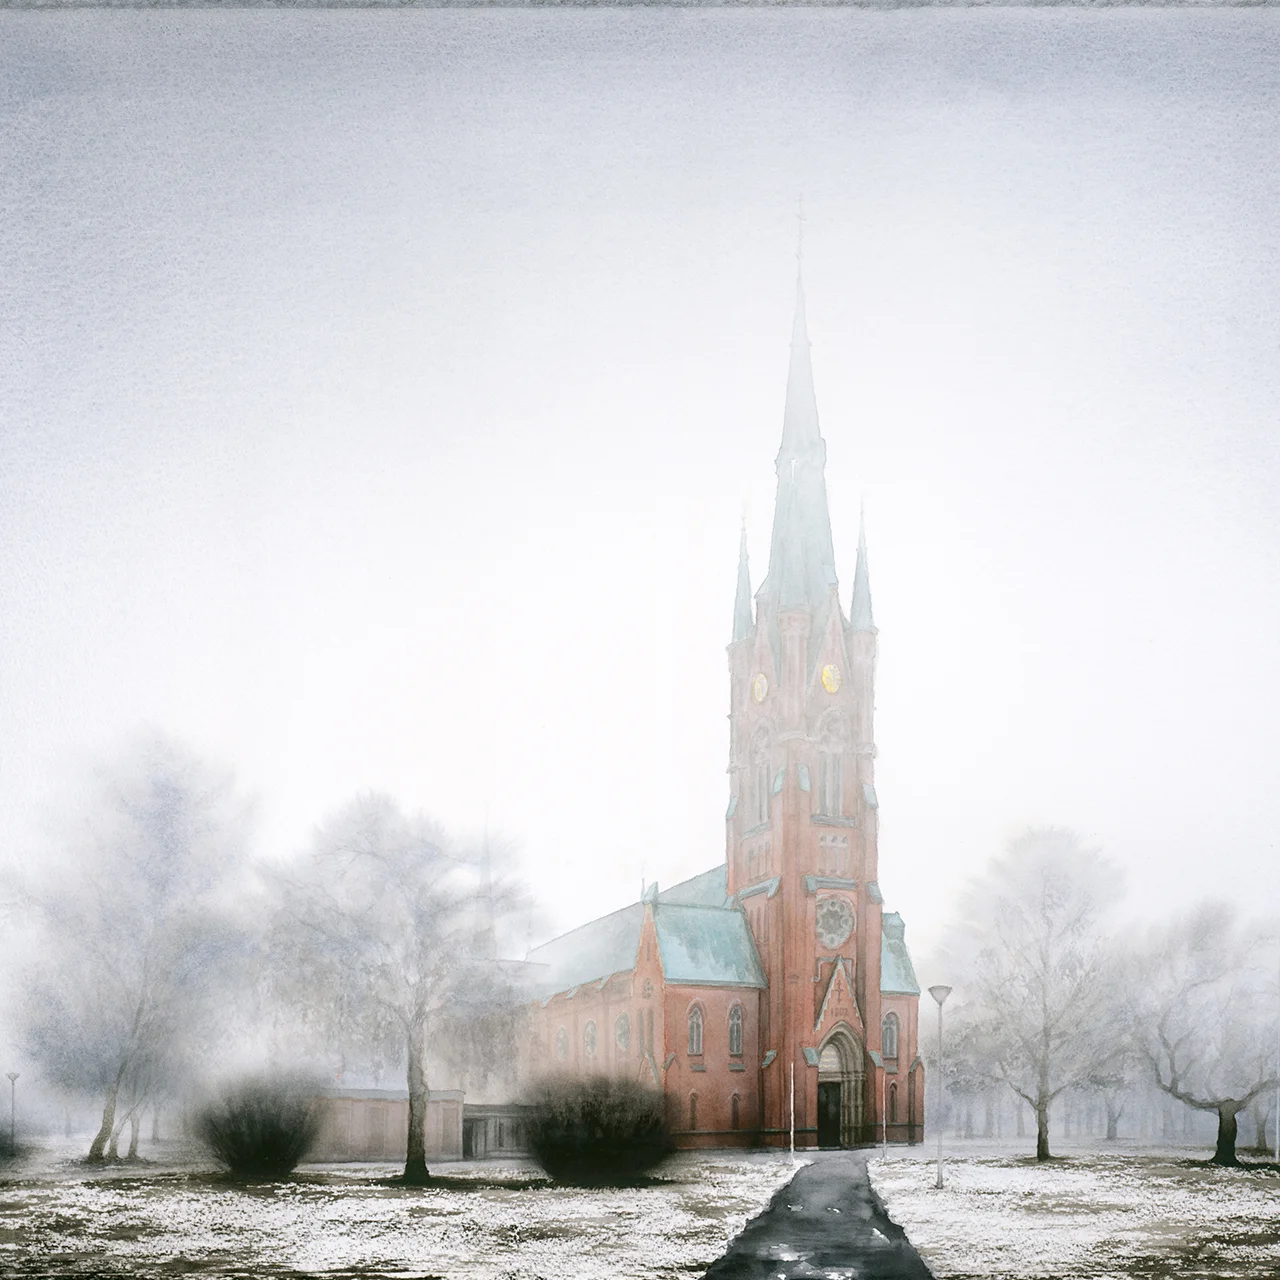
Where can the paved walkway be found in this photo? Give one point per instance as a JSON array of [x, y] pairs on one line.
[[826, 1222]]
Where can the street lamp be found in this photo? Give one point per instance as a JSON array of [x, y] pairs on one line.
[[13, 1113], [939, 993]]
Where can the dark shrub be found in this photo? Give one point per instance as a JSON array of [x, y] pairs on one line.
[[261, 1127], [597, 1131]]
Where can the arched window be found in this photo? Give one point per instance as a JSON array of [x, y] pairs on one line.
[[830, 768], [735, 1032], [693, 1111], [889, 1035], [734, 1119], [622, 1033], [893, 1104], [562, 1044], [763, 788], [695, 1032], [589, 1039]]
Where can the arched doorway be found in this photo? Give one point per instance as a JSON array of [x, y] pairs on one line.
[[840, 1089]]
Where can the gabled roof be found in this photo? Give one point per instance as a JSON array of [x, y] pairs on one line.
[[592, 951], [710, 889], [707, 946], [897, 975], [700, 941]]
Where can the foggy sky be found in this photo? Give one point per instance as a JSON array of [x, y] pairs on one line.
[[381, 393]]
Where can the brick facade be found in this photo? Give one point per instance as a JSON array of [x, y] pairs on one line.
[[816, 999]]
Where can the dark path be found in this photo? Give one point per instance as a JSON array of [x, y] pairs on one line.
[[827, 1221]]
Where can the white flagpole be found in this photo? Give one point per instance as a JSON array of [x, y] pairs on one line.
[[793, 1113]]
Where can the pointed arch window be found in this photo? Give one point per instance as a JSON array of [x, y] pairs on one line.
[[589, 1039], [889, 1035], [622, 1032], [735, 1033], [562, 1043], [735, 1121], [830, 778], [695, 1032]]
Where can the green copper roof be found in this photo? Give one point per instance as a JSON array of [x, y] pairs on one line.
[[710, 889], [802, 563], [743, 621], [707, 946], [699, 939], [860, 609], [595, 950], [897, 975]]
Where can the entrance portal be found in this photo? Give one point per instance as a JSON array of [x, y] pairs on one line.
[[829, 1112], [840, 1087]]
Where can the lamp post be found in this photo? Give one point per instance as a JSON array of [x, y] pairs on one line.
[[939, 993], [13, 1113]]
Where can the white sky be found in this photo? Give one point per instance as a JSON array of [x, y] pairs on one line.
[[381, 392]]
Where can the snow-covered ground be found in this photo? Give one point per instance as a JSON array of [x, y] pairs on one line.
[[344, 1221], [1127, 1214]]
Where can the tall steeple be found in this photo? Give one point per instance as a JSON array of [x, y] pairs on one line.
[[802, 573], [742, 617], [860, 608]]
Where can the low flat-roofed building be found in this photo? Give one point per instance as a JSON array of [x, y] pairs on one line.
[[373, 1124]]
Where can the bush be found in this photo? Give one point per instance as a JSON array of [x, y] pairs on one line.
[[261, 1127], [597, 1131]]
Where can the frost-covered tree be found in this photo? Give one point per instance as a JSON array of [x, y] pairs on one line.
[[1206, 1016], [133, 915], [385, 940], [1035, 971]]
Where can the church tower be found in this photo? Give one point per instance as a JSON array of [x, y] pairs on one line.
[[801, 826]]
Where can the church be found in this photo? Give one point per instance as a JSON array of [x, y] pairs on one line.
[[773, 993]]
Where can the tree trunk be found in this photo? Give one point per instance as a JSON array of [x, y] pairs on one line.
[[1113, 1121], [113, 1147], [108, 1125], [1042, 1127], [155, 1124], [1226, 1150], [416, 1172], [135, 1122]]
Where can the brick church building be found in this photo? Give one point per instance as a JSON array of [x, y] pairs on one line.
[[775, 980]]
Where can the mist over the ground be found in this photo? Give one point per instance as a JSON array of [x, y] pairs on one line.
[[381, 394]]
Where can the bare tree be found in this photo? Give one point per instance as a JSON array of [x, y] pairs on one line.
[[1206, 1020], [1035, 970], [135, 931], [385, 939]]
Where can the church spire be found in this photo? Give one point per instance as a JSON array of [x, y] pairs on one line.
[[860, 607], [801, 557], [800, 435], [742, 617]]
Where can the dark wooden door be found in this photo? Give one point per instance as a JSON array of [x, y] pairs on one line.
[[829, 1113]]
